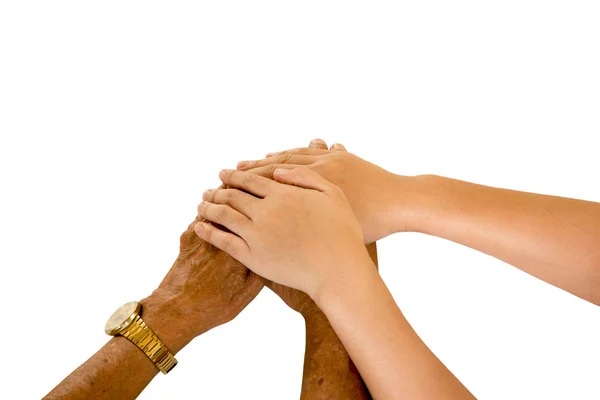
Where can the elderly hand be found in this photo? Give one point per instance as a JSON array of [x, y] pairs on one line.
[[383, 202], [300, 237], [203, 289]]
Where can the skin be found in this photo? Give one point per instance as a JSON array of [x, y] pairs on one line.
[[360, 180], [329, 372], [302, 233], [203, 289], [552, 238], [206, 288], [328, 369]]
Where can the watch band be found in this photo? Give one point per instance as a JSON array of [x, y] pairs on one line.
[[142, 336]]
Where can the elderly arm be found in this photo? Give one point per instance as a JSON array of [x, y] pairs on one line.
[[204, 288]]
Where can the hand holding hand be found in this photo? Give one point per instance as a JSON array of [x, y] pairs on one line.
[[383, 202], [299, 231], [204, 288], [301, 302]]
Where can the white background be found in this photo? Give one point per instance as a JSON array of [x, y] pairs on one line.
[[116, 116]]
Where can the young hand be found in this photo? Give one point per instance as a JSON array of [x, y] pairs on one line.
[[298, 231], [383, 202], [301, 302]]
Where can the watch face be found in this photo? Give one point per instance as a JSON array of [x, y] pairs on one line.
[[122, 318]]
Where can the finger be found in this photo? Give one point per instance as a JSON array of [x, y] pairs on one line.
[[318, 144], [259, 186], [287, 158], [228, 242], [224, 215], [309, 151], [303, 177], [268, 170], [240, 201], [338, 146]]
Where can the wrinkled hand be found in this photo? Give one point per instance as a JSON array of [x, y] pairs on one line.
[[204, 288], [299, 236], [381, 201]]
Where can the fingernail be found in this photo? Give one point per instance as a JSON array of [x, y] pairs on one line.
[[206, 195], [317, 141], [242, 164], [281, 171], [274, 154], [223, 174], [199, 228]]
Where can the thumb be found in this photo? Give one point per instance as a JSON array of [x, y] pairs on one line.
[[303, 177]]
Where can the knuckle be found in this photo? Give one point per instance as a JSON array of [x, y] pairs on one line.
[[220, 213], [270, 170], [336, 163], [285, 158], [230, 196], [209, 232], [248, 179], [228, 246]]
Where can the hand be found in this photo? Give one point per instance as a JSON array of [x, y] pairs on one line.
[[204, 288], [301, 302], [299, 236], [383, 202]]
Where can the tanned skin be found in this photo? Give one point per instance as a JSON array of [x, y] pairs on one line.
[[300, 231], [329, 373], [204, 288]]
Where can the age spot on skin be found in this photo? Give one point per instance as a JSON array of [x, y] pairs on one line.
[[321, 380]]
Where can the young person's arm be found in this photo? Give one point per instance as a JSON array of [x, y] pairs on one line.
[[329, 372], [302, 233], [389, 354], [204, 288], [553, 238]]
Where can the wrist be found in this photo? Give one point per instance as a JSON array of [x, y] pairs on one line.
[[322, 339], [315, 320], [166, 321], [358, 270], [416, 199]]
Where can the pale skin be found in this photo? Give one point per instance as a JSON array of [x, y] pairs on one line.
[[552, 238], [301, 232], [206, 288], [329, 372]]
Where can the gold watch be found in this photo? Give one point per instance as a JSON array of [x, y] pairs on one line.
[[127, 322]]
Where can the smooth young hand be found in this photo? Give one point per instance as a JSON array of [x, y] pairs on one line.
[[382, 201], [298, 230]]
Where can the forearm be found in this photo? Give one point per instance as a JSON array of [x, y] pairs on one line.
[[328, 369], [553, 238], [391, 358], [329, 373], [119, 370]]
